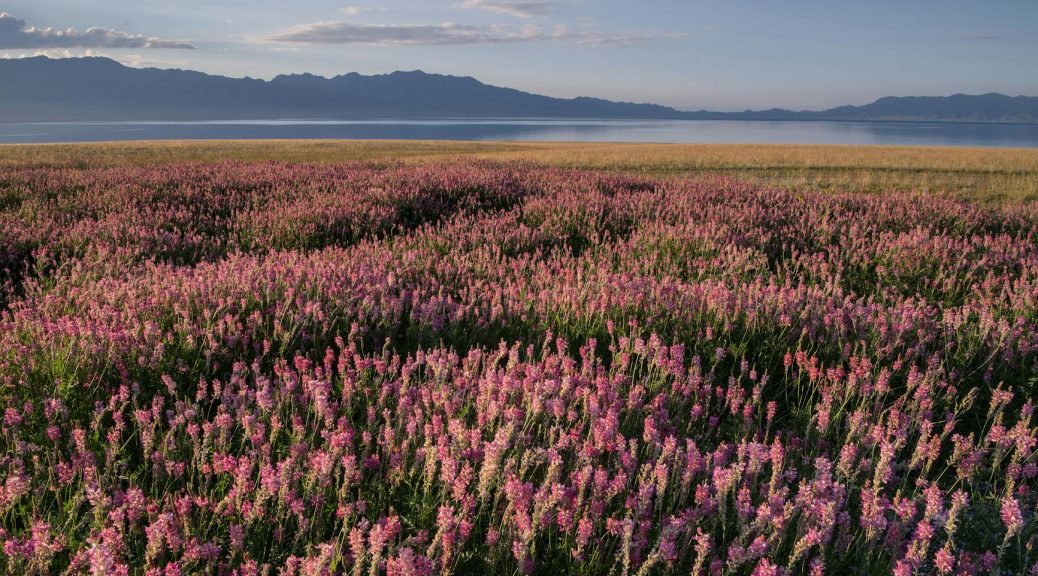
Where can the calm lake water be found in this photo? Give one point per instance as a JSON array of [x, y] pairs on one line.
[[719, 131]]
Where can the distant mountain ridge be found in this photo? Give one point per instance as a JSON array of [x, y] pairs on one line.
[[94, 88]]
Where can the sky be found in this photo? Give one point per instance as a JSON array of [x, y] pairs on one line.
[[689, 54]]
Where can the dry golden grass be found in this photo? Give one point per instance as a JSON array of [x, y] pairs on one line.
[[986, 174], [144, 153]]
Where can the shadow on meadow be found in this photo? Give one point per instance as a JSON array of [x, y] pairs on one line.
[[478, 367]]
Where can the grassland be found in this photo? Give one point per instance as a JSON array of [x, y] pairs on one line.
[[399, 359], [984, 174]]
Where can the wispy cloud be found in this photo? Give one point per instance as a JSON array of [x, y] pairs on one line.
[[14, 33], [517, 8], [50, 53], [132, 59], [354, 10], [448, 34]]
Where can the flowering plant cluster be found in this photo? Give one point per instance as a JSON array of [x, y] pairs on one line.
[[465, 367]]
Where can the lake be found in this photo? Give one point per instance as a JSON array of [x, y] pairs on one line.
[[677, 131]]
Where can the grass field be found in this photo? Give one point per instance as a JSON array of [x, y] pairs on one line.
[[413, 359], [986, 174]]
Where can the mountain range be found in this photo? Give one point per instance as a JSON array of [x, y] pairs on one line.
[[95, 88]]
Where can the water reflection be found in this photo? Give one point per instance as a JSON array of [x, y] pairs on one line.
[[691, 131]]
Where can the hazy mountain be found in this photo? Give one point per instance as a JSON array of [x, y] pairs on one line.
[[991, 107], [44, 89], [98, 88], [419, 93]]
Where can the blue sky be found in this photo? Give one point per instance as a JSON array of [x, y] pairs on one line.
[[692, 54]]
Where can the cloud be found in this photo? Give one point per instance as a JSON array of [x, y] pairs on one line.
[[517, 8], [354, 10], [133, 60], [15, 34], [50, 53], [448, 34]]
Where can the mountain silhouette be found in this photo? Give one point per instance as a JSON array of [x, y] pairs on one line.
[[95, 88]]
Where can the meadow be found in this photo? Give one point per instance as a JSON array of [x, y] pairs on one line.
[[974, 174], [415, 359]]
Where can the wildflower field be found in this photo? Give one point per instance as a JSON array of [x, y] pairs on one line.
[[501, 368]]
